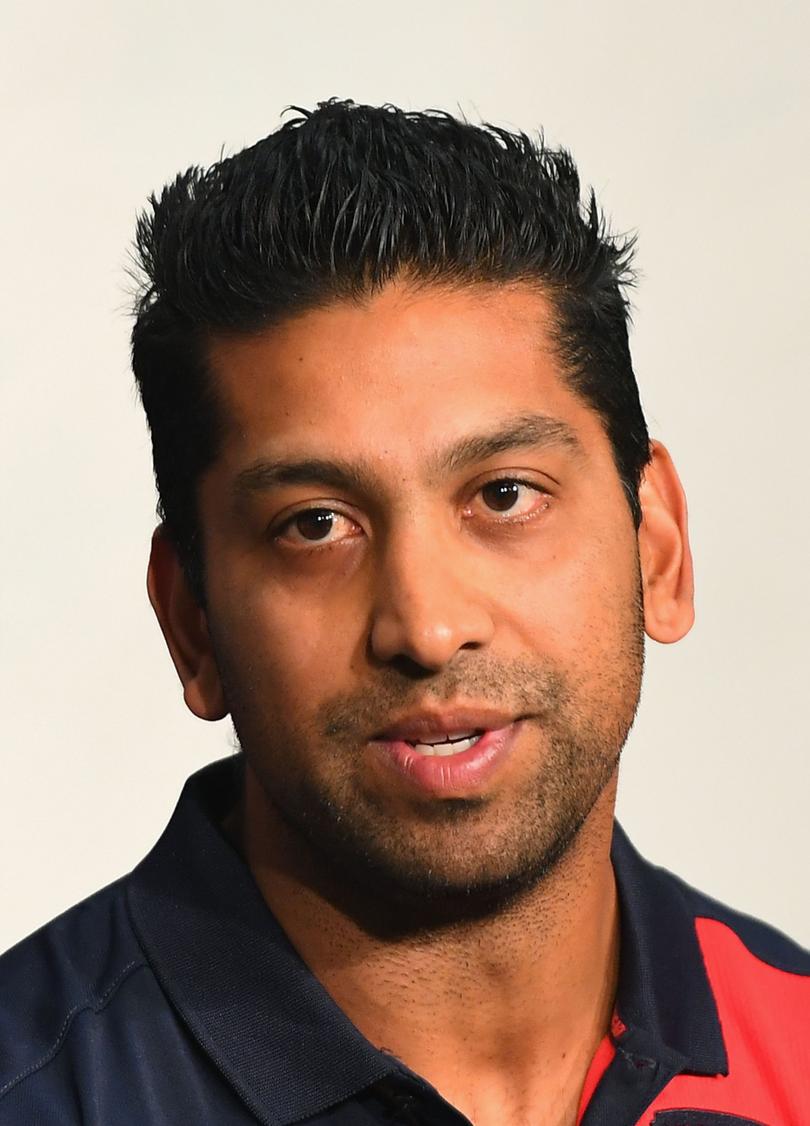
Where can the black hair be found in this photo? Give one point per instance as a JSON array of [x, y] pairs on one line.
[[332, 205]]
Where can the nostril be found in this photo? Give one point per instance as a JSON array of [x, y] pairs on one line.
[[410, 668]]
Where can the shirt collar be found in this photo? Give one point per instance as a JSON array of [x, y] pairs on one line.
[[227, 966], [663, 987], [275, 1032]]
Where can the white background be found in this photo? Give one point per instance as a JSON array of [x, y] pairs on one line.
[[691, 122]]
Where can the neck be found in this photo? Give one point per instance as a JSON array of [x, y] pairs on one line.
[[504, 1009]]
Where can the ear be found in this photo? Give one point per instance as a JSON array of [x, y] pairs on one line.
[[185, 629], [665, 557]]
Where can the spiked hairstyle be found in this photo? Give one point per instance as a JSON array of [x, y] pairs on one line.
[[331, 206]]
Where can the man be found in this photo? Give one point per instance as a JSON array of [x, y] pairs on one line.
[[413, 532]]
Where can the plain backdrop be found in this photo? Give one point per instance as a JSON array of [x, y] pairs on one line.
[[690, 120]]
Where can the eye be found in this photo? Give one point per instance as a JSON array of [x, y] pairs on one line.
[[514, 497], [316, 526]]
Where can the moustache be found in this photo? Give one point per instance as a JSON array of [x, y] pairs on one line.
[[520, 687]]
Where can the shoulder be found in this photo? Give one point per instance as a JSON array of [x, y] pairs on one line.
[[760, 977], [665, 902], [765, 944], [721, 927], [75, 965], [759, 993]]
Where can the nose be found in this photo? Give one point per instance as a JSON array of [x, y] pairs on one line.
[[428, 604]]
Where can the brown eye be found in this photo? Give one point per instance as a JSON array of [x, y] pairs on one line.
[[316, 527], [314, 524], [501, 495], [516, 499]]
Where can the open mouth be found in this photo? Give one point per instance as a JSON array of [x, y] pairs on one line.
[[454, 745], [457, 762]]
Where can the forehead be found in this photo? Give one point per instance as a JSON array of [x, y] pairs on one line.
[[394, 376]]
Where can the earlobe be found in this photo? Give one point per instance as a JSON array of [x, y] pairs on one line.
[[185, 628], [664, 553]]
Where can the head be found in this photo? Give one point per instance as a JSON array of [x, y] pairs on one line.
[[402, 468], [332, 207]]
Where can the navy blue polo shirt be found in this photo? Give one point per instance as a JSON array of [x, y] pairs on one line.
[[173, 996]]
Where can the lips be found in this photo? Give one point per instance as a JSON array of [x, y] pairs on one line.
[[451, 754], [452, 745], [438, 726]]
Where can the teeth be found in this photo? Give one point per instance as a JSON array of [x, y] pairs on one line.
[[447, 748], [441, 738]]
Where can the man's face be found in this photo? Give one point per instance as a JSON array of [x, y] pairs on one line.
[[412, 516]]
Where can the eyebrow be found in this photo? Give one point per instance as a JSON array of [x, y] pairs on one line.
[[535, 431]]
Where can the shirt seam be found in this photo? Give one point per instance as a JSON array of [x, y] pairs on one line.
[[97, 1004]]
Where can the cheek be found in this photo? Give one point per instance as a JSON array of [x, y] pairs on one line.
[[578, 603], [286, 647]]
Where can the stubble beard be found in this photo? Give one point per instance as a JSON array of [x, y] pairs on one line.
[[451, 859]]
